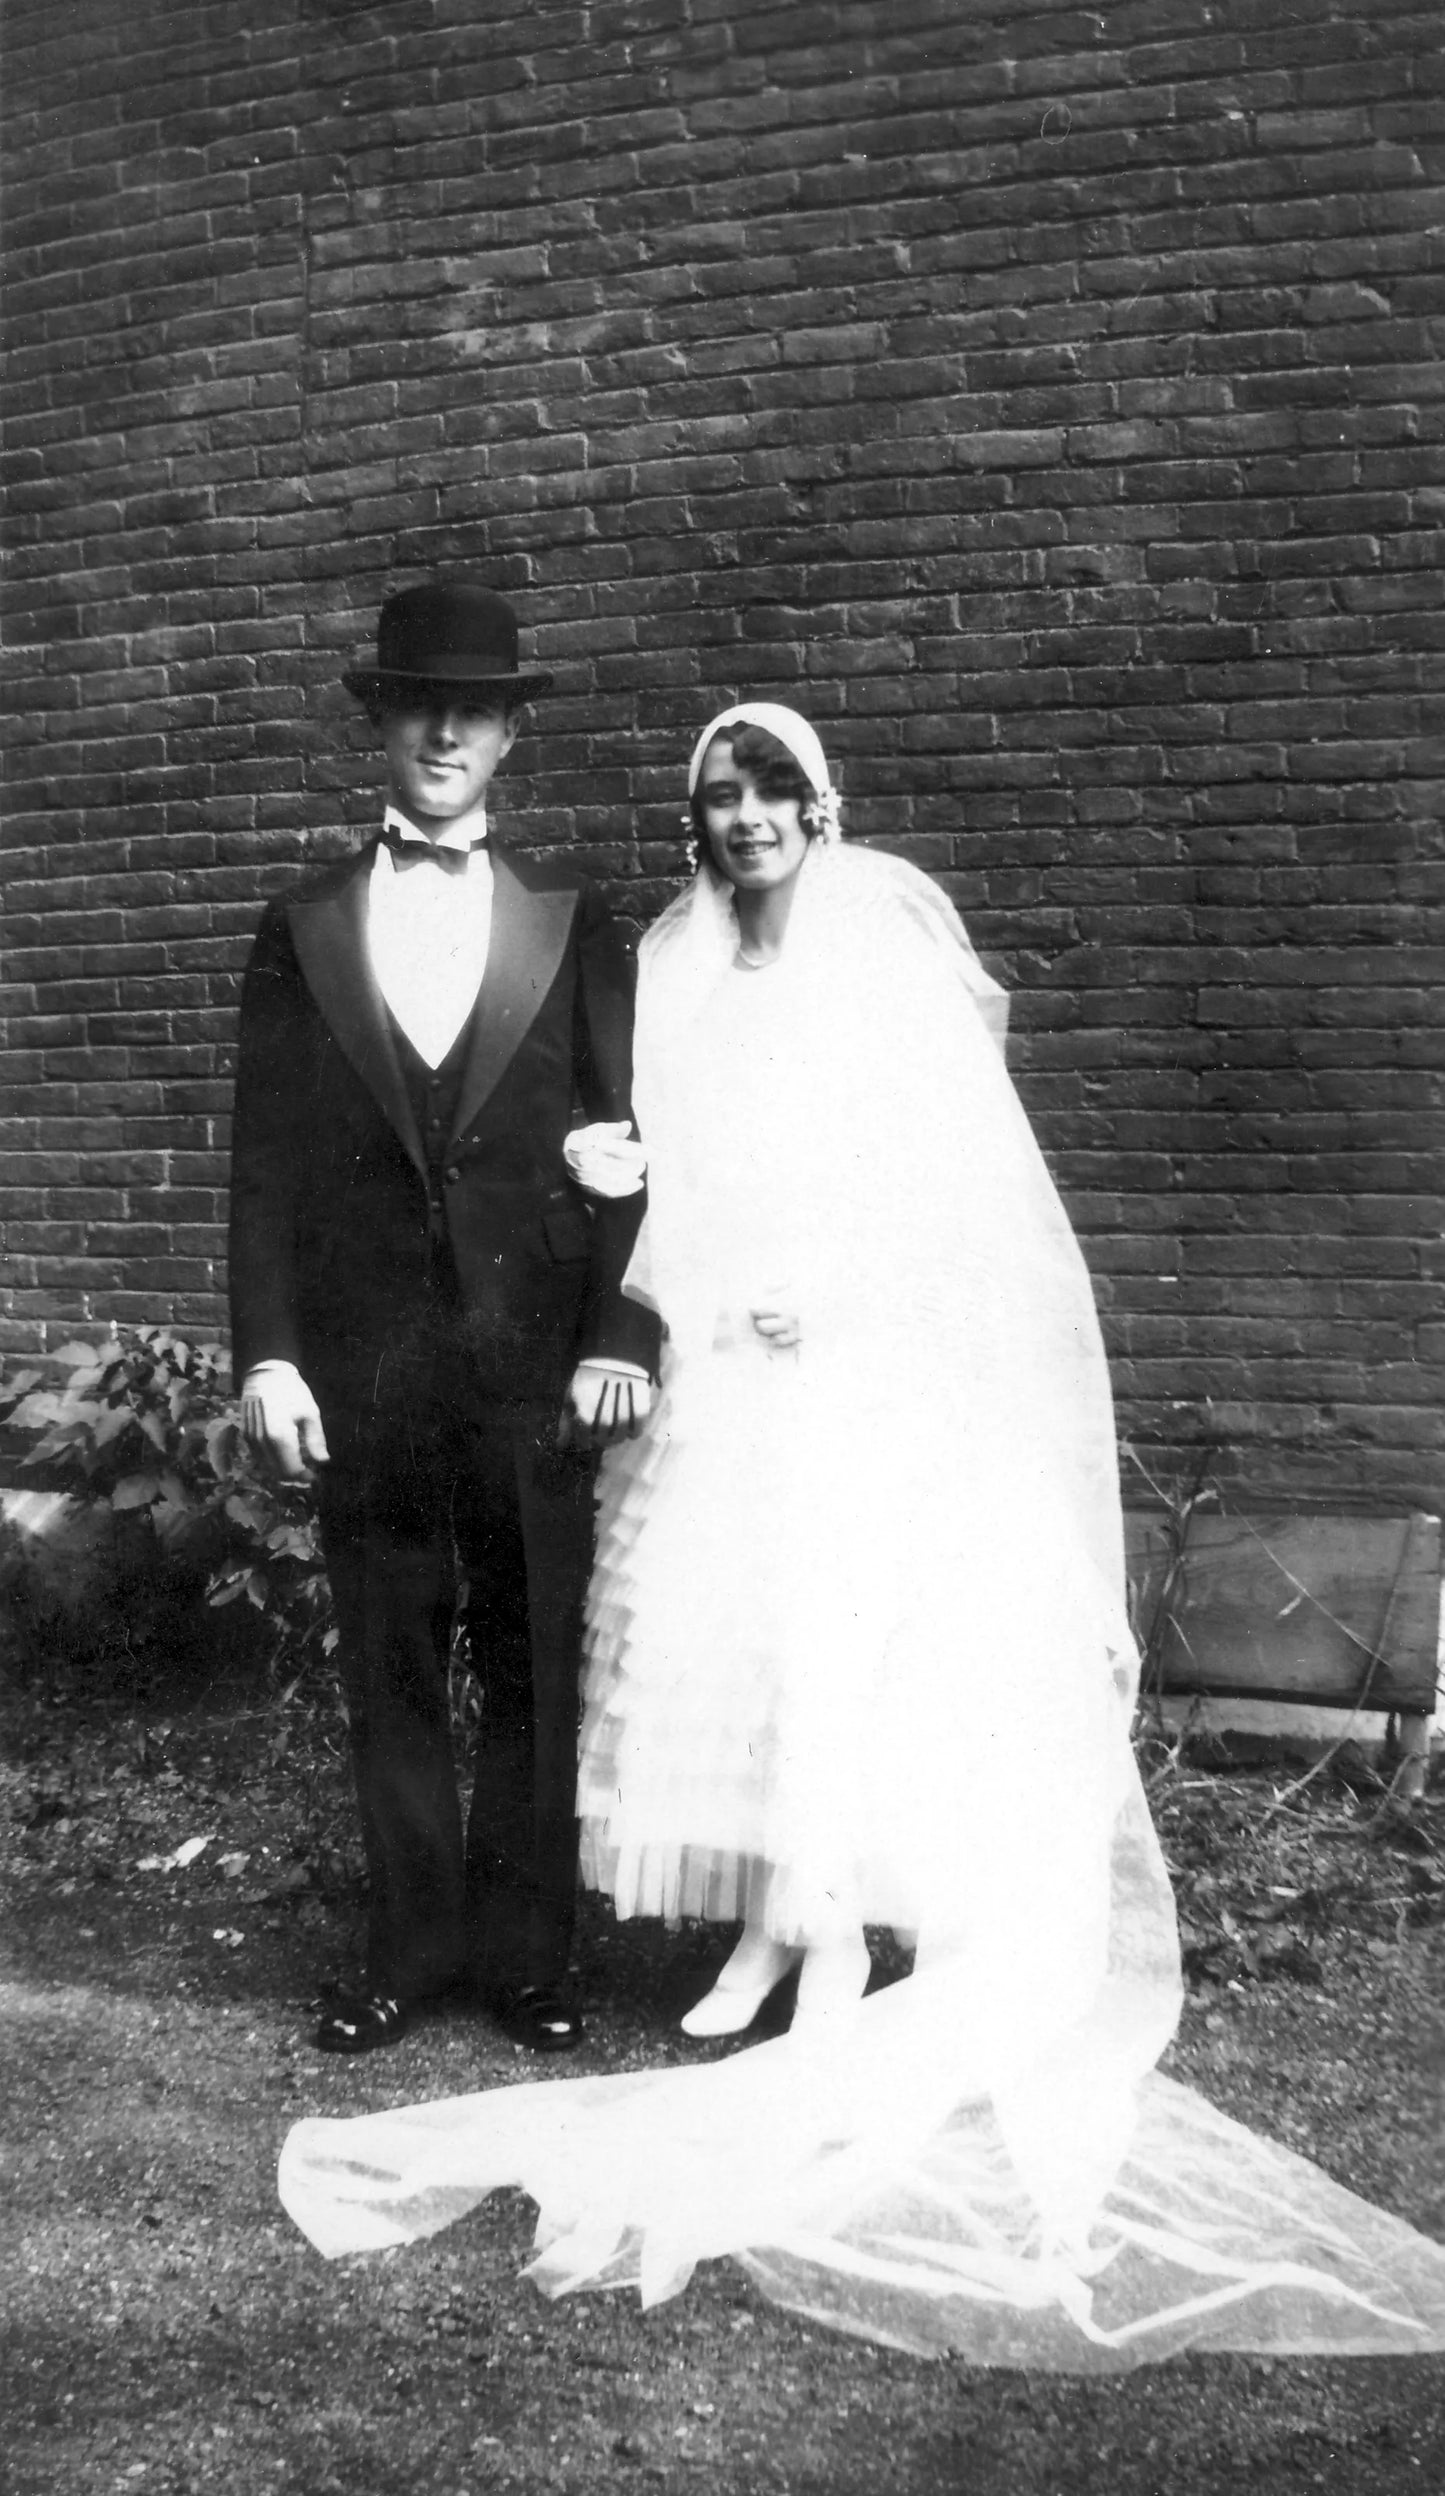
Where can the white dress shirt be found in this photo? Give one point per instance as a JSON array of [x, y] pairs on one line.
[[428, 932]]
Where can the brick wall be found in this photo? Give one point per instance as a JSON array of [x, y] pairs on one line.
[[1047, 402]]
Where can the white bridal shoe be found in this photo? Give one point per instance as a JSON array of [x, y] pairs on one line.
[[756, 1967], [834, 1978]]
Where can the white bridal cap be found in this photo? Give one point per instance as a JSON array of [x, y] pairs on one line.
[[791, 730]]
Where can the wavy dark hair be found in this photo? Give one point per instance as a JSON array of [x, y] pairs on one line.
[[768, 762]]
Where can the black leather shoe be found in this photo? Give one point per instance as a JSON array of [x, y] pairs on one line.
[[536, 2016], [357, 2023]]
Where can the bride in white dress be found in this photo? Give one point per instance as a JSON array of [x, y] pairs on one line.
[[859, 1655], [817, 1574]]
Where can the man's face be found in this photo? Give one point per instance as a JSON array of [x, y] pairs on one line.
[[442, 746]]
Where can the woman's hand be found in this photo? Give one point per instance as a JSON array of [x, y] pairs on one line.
[[781, 1331]]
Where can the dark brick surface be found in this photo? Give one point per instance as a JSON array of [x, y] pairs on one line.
[[1050, 403]]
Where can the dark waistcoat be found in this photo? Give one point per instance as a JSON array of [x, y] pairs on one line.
[[433, 1093]]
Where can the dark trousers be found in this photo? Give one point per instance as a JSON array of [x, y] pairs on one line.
[[440, 1505]]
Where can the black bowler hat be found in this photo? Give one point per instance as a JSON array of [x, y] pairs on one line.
[[445, 632]]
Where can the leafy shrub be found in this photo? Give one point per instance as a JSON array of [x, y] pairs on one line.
[[170, 1509]]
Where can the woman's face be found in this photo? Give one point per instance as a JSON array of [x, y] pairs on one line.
[[757, 842]]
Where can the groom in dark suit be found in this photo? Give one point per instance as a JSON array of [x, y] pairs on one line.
[[427, 1311]]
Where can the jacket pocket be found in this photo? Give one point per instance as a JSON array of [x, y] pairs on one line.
[[567, 1228]]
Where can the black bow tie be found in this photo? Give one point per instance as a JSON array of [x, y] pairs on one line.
[[414, 853]]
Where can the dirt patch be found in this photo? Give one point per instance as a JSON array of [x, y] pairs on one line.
[[169, 2333]]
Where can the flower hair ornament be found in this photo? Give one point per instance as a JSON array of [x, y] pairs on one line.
[[802, 742]]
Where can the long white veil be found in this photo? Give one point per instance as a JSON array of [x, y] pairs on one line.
[[981, 2157]]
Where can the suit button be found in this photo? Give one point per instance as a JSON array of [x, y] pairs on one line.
[[451, 1175]]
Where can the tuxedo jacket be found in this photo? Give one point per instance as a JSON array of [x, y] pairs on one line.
[[333, 1206]]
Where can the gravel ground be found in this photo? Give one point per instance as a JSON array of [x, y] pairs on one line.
[[167, 2332]]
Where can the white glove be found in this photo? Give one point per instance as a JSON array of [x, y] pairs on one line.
[[607, 1400], [280, 1420], [606, 1159]]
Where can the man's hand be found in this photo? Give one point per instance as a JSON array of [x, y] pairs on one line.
[[280, 1421], [606, 1159], [605, 1401]]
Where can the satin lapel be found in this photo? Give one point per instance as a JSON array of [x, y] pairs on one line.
[[529, 936], [329, 934]]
